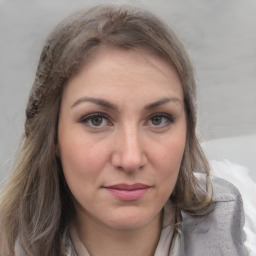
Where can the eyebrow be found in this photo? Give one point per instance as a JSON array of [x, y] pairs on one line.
[[112, 106], [97, 101], [162, 102]]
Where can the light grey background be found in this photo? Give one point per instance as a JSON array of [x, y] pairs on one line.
[[220, 36]]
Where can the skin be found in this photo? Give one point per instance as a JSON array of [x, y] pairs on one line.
[[138, 137]]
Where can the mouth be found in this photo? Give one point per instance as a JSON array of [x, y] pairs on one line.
[[128, 192]]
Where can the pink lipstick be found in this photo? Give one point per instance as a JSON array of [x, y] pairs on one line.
[[127, 192]]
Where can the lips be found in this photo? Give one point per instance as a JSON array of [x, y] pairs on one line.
[[128, 192], [129, 187]]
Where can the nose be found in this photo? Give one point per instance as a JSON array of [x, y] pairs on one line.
[[129, 153]]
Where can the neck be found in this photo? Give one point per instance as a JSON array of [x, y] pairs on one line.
[[107, 241]]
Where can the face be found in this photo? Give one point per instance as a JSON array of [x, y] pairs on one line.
[[121, 137]]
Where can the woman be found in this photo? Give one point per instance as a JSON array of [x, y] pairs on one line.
[[110, 163]]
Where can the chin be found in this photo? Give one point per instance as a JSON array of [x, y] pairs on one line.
[[130, 219]]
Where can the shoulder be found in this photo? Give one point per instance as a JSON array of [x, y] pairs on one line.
[[221, 231], [224, 191]]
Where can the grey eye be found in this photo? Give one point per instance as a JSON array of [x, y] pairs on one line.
[[160, 120], [96, 121], [156, 120]]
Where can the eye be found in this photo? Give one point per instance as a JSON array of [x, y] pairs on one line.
[[96, 120], [160, 120]]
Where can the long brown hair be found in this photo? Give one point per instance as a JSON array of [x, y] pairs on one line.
[[36, 205]]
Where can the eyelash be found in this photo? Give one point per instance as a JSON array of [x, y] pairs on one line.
[[169, 120], [88, 118]]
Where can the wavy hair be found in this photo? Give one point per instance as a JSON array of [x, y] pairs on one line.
[[36, 205]]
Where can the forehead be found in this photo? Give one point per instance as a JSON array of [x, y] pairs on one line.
[[113, 54], [111, 70]]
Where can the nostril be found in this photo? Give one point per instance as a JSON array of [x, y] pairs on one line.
[[128, 163]]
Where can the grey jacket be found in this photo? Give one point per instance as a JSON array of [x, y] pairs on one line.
[[220, 233]]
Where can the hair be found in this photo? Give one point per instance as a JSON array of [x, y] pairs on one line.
[[36, 205]]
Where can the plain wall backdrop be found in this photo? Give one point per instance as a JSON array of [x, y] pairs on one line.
[[220, 37]]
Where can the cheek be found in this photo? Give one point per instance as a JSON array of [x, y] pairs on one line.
[[82, 168], [170, 152], [168, 157], [81, 159]]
